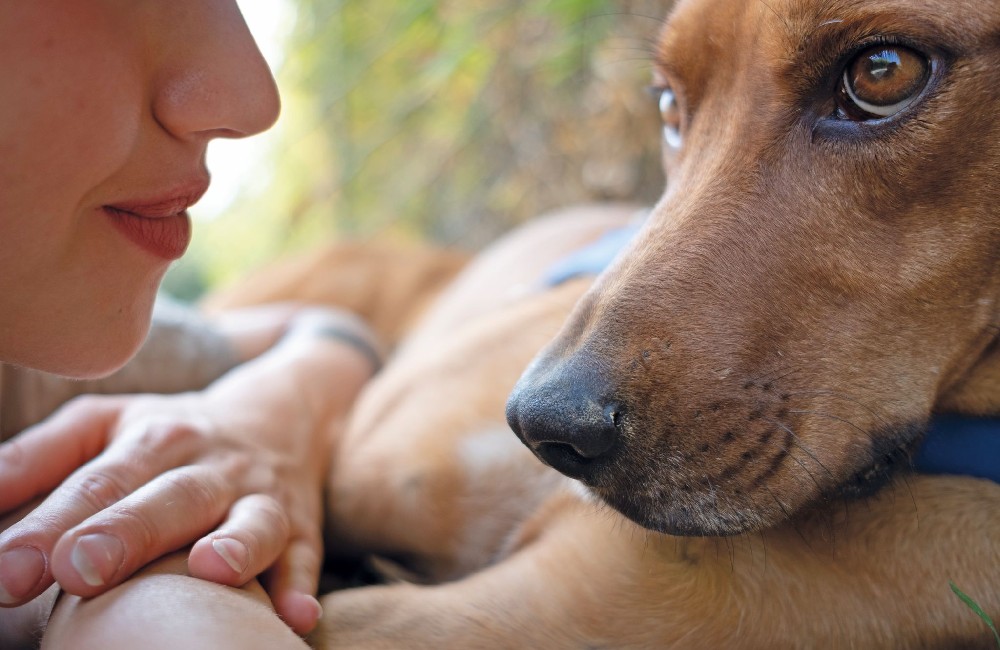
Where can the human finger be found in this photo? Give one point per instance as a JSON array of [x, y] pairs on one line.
[[40, 458], [293, 581], [248, 542], [150, 447], [161, 516]]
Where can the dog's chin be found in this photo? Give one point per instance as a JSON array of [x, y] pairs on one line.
[[666, 503], [686, 517]]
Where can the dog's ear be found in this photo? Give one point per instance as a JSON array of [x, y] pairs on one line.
[[979, 392]]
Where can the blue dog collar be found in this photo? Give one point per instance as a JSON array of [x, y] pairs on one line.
[[954, 444]]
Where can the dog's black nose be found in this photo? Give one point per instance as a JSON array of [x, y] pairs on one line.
[[568, 424]]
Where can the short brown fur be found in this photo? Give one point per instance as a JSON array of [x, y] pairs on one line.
[[794, 310], [501, 552], [809, 289]]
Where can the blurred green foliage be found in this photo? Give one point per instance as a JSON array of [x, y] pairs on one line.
[[450, 120]]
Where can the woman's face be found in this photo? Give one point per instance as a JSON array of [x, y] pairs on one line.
[[107, 108]]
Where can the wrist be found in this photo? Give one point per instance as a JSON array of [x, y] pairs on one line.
[[339, 329], [331, 356]]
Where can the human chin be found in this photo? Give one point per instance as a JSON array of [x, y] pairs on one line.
[[119, 327], [90, 329]]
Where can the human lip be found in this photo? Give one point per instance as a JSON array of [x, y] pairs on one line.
[[159, 225], [165, 204]]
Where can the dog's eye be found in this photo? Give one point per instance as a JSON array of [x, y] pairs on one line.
[[670, 113], [881, 82]]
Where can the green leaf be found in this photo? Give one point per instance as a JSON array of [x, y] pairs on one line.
[[974, 606]]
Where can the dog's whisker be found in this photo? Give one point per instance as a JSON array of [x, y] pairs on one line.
[[913, 499], [772, 375], [799, 443], [777, 15], [842, 396], [763, 545], [788, 517], [786, 375], [831, 417], [748, 544], [760, 533]]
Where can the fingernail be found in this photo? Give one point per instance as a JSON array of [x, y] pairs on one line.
[[233, 552], [97, 558], [21, 570]]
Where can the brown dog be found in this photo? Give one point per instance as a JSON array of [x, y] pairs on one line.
[[514, 556], [821, 274]]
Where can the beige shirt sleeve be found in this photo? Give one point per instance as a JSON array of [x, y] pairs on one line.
[[182, 352]]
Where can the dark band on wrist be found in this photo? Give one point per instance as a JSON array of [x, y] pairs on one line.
[[359, 343]]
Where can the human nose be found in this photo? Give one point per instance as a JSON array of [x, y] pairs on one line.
[[214, 82]]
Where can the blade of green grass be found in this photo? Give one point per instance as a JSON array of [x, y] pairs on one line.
[[974, 606]]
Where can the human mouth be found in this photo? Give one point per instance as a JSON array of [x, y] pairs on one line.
[[160, 225]]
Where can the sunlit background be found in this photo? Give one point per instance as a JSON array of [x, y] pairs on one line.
[[441, 120]]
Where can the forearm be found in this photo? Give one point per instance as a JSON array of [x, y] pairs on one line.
[[320, 366]]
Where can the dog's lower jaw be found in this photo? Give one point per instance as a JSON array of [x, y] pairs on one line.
[[686, 521], [891, 454], [668, 505]]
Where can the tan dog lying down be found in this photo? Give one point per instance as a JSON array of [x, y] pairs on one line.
[[738, 392], [514, 556]]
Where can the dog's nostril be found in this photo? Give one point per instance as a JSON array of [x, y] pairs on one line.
[[563, 458]]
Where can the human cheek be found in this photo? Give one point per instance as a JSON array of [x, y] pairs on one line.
[[71, 110], [70, 119]]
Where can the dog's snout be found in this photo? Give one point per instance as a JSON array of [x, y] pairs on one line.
[[567, 426]]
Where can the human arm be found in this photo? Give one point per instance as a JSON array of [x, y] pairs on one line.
[[243, 460]]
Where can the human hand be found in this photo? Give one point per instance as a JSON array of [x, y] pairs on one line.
[[237, 469]]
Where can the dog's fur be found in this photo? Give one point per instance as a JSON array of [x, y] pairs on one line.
[[388, 283], [514, 555], [810, 288], [805, 295]]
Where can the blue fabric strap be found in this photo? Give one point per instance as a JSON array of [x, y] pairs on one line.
[[954, 444], [958, 444], [592, 259]]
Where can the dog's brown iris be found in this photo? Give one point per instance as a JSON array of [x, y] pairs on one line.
[[882, 81]]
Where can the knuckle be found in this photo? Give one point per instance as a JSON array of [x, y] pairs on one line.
[[137, 527], [101, 489], [12, 453], [307, 526], [272, 516], [242, 465], [161, 434], [201, 491], [310, 546], [306, 560]]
